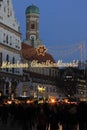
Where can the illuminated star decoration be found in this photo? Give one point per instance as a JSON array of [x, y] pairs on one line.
[[41, 50]]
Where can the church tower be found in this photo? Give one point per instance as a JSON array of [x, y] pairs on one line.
[[32, 26], [32, 22]]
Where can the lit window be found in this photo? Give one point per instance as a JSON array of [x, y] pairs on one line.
[[82, 92]]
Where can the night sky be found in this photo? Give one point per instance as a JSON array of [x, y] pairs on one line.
[[63, 26]]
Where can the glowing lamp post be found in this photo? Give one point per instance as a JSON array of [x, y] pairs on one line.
[[40, 90]]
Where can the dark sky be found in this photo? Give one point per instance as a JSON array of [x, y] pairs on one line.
[[63, 25]]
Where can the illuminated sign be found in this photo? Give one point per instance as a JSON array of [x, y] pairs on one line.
[[35, 63], [41, 50]]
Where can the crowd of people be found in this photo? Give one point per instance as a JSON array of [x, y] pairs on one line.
[[44, 116]]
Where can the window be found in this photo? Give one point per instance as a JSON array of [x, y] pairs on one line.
[[8, 2], [7, 60], [50, 89], [54, 90], [4, 38], [24, 93], [8, 13], [18, 28], [13, 61], [82, 92], [7, 39], [32, 26], [0, 6], [10, 40], [4, 9], [7, 88]]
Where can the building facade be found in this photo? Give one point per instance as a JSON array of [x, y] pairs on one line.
[[43, 80], [10, 49], [73, 83]]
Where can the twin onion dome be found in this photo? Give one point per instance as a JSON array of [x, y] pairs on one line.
[[32, 9]]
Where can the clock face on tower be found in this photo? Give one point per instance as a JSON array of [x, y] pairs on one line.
[[32, 37]]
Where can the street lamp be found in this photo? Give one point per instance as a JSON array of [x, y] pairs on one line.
[[40, 90]]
